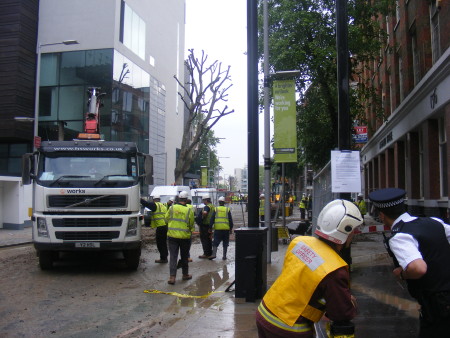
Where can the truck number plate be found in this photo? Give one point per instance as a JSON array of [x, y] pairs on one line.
[[87, 245]]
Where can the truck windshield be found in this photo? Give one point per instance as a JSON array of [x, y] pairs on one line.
[[54, 169]]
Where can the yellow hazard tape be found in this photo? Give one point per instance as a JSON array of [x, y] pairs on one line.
[[176, 294]]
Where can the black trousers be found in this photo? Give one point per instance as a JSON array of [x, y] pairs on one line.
[[205, 238], [161, 241], [182, 246]]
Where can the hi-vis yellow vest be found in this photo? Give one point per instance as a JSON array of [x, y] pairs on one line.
[[158, 216], [307, 261], [221, 218]]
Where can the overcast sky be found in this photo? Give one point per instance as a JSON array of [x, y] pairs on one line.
[[219, 28]]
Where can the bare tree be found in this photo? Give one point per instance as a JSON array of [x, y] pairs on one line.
[[202, 95]]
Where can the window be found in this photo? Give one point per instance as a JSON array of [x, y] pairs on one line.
[[11, 158], [435, 33], [443, 158], [132, 31], [415, 57], [400, 77], [421, 164]]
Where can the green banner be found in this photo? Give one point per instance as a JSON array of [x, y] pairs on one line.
[[285, 124], [204, 182]]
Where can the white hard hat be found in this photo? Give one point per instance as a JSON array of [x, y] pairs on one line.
[[261, 196], [172, 199], [183, 194], [360, 195], [337, 220], [221, 199], [156, 196], [206, 197]]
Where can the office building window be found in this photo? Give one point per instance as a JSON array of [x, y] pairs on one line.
[[132, 30], [11, 158]]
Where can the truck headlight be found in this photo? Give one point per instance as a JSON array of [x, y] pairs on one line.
[[132, 227], [42, 230]]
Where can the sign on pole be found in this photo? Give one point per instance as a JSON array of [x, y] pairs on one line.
[[285, 124], [345, 171]]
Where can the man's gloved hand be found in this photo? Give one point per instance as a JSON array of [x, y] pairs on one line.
[[143, 201]]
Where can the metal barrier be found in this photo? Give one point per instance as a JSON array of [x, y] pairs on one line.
[[321, 192]]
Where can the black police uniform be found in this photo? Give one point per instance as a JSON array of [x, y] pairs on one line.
[[432, 290]]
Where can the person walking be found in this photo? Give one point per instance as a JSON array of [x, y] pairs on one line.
[[302, 206], [261, 207], [205, 232], [361, 204], [314, 280], [421, 247], [222, 222], [180, 221], [157, 220]]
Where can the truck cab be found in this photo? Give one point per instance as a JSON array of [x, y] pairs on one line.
[[86, 196]]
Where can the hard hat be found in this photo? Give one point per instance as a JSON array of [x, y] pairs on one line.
[[221, 199], [183, 194], [206, 197], [261, 196], [156, 196], [360, 195], [337, 220], [171, 199]]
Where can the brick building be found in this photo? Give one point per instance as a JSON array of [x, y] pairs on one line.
[[407, 146]]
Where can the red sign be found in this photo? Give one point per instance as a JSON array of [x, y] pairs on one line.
[[360, 135], [37, 141]]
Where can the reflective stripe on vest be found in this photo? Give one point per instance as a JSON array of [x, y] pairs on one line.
[[221, 221], [303, 327]]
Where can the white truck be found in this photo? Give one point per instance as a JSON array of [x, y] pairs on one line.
[[86, 196]]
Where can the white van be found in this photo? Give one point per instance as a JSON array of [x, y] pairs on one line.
[[167, 191]]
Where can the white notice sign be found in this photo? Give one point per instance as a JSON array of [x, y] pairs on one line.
[[345, 171]]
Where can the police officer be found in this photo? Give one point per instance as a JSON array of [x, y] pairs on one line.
[[158, 221], [180, 220], [205, 232], [222, 222], [314, 280], [422, 250]]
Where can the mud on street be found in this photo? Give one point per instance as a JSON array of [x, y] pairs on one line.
[[94, 294]]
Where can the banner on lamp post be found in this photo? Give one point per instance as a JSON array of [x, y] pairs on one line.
[[204, 176], [285, 124]]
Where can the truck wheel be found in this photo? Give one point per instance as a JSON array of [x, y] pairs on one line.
[[132, 258], [46, 260]]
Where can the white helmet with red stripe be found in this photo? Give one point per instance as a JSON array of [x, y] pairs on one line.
[[337, 220]]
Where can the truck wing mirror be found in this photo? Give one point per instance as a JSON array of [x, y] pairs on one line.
[[26, 168]]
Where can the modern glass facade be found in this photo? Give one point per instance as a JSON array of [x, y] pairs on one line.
[[65, 79]]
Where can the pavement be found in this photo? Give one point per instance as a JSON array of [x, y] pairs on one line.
[[382, 301]]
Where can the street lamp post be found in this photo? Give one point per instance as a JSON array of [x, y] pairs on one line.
[[38, 80]]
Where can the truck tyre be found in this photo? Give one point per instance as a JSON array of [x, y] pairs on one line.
[[132, 258], [45, 260]]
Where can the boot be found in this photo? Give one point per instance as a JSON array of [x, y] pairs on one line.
[[171, 280], [214, 252], [225, 253]]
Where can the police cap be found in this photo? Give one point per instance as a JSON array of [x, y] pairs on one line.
[[388, 197]]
